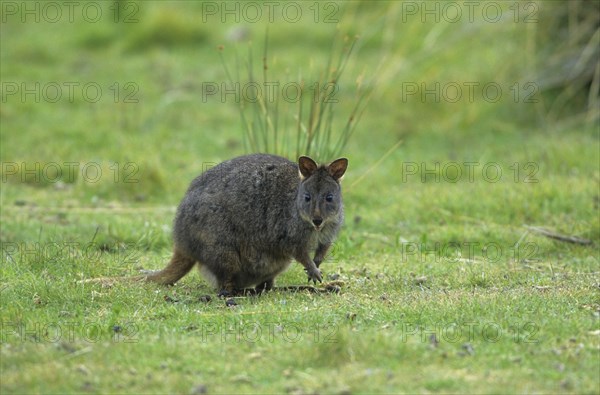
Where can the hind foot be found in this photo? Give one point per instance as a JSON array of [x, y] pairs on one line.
[[265, 286]]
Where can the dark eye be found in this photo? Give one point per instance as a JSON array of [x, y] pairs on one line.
[[329, 197], [307, 197]]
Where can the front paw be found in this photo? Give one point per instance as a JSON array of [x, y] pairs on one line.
[[314, 275], [318, 261]]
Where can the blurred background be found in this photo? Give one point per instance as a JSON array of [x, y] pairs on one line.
[[143, 89]]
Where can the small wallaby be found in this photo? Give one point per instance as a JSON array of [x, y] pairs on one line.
[[243, 221]]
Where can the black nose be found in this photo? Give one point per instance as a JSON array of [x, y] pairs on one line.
[[317, 221]]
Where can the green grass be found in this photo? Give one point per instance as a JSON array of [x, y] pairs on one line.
[[445, 289]]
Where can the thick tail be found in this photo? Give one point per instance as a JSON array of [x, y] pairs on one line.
[[178, 267]]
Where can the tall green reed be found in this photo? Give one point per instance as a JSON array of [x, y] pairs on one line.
[[298, 121]]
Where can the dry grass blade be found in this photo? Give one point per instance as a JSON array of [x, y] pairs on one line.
[[558, 236], [376, 164]]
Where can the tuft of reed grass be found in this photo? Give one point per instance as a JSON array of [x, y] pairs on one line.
[[305, 125], [568, 71]]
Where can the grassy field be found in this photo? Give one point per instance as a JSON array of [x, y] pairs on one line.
[[107, 114]]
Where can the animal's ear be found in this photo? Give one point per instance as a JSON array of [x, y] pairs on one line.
[[337, 168], [307, 166]]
